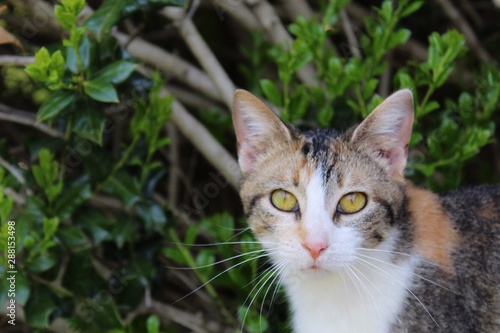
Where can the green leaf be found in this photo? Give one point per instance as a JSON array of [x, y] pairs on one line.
[[96, 224], [272, 93], [153, 324], [429, 107], [89, 124], [44, 261], [39, 307], [152, 215], [55, 104], [6, 204], [50, 226], [65, 18], [22, 288], [399, 37], [116, 72], [72, 236], [101, 91], [106, 16], [298, 103], [71, 199], [125, 188], [36, 73], [412, 7], [85, 50], [42, 58]]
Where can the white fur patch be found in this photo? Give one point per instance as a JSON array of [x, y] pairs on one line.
[[365, 298]]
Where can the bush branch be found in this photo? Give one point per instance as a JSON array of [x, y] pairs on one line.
[[11, 114], [16, 60], [278, 34], [461, 23], [170, 64], [202, 52]]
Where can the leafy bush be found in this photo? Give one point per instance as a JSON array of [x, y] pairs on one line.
[[117, 225]]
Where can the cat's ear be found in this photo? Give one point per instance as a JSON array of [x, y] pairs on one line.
[[256, 128], [386, 131]]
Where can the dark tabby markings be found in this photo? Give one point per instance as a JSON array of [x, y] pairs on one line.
[[306, 148], [253, 202], [388, 209]]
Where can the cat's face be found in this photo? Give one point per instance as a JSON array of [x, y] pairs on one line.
[[314, 199]]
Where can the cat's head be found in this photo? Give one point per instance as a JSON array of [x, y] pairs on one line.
[[314, 198]]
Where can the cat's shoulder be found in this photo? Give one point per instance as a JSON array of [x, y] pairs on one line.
[[474, 206]]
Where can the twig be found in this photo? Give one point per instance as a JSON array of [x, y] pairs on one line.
[[201, 138], [472, 13], [170, 64], [202, 52], [11, 114], [238, 11], [173, 180], [16, 60], [279, 35], [298, 7], [20, 178], [349, 32], [213, 151], [191, 99], [385, 78], [18, 198], [461, 23]]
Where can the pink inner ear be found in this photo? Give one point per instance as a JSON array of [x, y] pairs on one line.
[[247, 156]]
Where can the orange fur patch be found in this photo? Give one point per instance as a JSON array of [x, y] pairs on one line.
[[435, 235]]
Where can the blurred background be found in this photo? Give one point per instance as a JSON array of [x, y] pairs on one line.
[[119, 204]]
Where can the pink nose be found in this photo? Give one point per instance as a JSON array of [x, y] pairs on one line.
[[315, 249]]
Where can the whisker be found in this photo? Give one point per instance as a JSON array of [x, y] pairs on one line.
[[367, 290], [278, 271], [414, 274], [365, 262], [218, 262], [349, 271], [272, 272], [215, 277], [400, 253], [222, 243]]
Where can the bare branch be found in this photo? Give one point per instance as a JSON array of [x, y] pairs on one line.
[[296, 8], [16, 60], [461, 23], [349, 32], [13, 171], [202, 52], [170, 64], [11, 114], [213, 151], [237, 10], [279, 35]]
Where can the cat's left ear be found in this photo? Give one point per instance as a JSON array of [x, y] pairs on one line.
[[257, 128], [386, 131]]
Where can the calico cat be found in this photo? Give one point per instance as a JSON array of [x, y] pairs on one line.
[[360, 249]]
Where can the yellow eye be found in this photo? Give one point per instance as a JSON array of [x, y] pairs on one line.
[[284, 201], [351, 203]]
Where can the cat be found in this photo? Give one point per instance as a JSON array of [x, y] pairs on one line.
[[360, 249]]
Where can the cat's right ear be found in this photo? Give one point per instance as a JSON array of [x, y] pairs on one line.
[[256, 128], [386, 131]]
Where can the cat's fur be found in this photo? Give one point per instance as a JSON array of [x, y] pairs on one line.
[[409, 261]]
